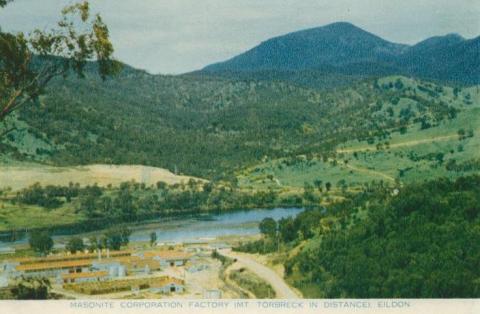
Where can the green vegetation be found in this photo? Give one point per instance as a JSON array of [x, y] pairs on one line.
[[131, 202], [29, 62], [190, 124], [31, 289], [251, 282], [422, 242], [41, 242], [153, 238], [75, 245], [226, 261], [356, 157], [116, 237], [268, 227], [409, 153]]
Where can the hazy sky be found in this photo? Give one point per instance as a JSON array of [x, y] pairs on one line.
[[175, 36]]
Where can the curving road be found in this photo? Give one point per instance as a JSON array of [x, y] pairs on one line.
[[278, 284]]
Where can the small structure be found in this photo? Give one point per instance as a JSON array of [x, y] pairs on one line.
[[139, 264], [114, 268], [169, 258], [167, 285]]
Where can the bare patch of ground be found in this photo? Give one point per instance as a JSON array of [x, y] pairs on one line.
[[18, 177]]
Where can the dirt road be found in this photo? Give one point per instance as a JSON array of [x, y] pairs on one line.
[[402, 144], [278, 284]]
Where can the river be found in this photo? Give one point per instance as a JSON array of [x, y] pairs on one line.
[[192, 228]]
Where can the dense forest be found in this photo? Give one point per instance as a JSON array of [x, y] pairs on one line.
[[422, 242], [192, 123]]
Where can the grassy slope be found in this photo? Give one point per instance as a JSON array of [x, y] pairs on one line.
[[35, 216], [19, 176], [385, 163], [370, 165]]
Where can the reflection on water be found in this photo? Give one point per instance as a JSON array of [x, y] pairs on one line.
[[234, 223], [192, 228]]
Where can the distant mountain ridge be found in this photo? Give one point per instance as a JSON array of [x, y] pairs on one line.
[[342, 48]]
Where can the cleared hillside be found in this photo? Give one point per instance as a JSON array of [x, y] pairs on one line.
[[19, 177]]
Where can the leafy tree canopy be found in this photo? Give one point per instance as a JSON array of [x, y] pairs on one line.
[[41, 242], [28, 62]]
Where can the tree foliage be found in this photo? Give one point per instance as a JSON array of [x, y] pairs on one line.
[[268, 227], [422, 243], [31, 289], [116, 237], [28, 62], [41, 242], [75, 245]]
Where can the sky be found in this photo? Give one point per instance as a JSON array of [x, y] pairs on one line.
[[178, 36]]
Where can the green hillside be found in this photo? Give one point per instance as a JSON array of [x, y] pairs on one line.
[[420, 243], [212, 128], [421, 149]]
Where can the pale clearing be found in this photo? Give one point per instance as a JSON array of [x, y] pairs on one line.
[[401, 144], [18, 177]]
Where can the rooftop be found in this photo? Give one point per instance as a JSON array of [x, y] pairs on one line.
[[168, 254], [85, 275], [54, 265], [65, 257]]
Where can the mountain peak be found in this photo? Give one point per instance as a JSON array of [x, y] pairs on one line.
[[437, 42], [334, 44], [346, 49], [341, 26]]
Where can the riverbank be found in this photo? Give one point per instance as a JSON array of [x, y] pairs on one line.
[[182, 228]]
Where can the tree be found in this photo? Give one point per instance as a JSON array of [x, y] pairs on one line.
[[4, 3], [117, 236], [29, 62], [75, 245], [440, 157], [308, 192], [41, 242], [94, 244], [286, 229], [328, 186], [268, 227], [153, 238], [318, 184], [31, 289]]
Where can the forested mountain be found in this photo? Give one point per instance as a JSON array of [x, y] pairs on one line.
[[447, 58], [337, 45], [210, 127], [346, 50]]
